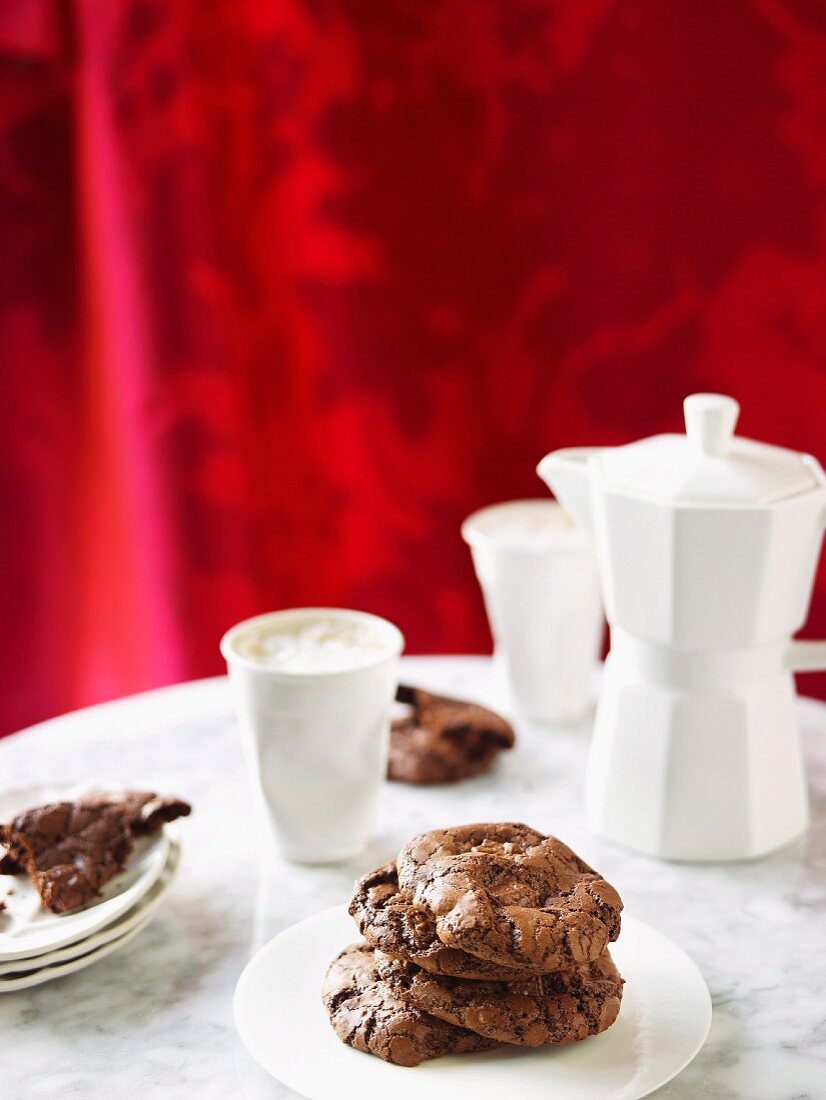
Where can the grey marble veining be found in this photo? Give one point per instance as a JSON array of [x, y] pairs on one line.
[[155, 1019]]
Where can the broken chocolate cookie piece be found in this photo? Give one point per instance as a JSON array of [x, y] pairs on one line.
[[146, 811], [70, 850], [444, 740]]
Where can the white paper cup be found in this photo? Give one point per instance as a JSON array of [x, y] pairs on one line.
[[316, 742], [538, 576]]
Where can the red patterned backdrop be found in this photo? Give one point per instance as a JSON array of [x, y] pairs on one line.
[[290, 287]]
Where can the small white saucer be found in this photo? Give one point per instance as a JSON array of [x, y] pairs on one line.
[[665, 1017], [26, 929], [60, 970]]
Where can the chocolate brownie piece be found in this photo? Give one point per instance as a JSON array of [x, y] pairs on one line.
[[444, 740], [511, 895], [388, 920], [72, 849], [366, 1015], [563, 1007]]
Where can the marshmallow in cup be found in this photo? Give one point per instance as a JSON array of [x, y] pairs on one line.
[[538, 576], [313, 690]]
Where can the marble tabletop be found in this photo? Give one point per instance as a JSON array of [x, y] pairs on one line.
[[155, 1018]]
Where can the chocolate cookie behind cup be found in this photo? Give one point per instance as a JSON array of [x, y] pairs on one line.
[[510, 895], [389, 921], [367, 1015], [558, 1008], [444, 740]]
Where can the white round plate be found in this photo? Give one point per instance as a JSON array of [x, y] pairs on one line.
[[139, 914], [665, 1017], [25, 928]]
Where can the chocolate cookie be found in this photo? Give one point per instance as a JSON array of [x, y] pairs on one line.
[[563, 1007], [444, 740], [389, 921], [146, 812], [71, 849], [511, 895], [366, 1015]]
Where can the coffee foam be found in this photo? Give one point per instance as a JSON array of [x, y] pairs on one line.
[[328, 643], [528, 524]]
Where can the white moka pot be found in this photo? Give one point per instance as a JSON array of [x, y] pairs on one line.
[[707, 546]]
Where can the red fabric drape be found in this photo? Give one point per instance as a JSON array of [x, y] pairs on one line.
[[291, 287]]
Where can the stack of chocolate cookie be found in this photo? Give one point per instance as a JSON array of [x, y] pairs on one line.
[[477, 936]]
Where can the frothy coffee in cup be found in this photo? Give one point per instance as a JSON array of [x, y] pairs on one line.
[[538, 575], [522, 525], [313, 688], [319, 642]]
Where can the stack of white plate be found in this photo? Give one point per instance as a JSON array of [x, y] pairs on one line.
[[37, 945]]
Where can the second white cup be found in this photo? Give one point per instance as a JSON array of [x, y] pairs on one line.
[[538, 576], [313, 689]]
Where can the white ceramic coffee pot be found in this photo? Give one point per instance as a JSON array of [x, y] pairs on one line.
[[707, 546]]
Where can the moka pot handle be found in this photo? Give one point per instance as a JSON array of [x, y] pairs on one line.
[[806, 656]]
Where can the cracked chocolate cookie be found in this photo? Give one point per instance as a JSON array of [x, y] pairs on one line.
[[558, 1008], [146, 812], [444, 740], [368, 1016], [510, 895], [389, 921], [70, 850]]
